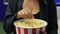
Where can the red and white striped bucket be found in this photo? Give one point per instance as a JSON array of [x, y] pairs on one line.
[[20, 30], [28, 31]]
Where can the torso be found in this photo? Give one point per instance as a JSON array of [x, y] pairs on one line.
[[33, 6]]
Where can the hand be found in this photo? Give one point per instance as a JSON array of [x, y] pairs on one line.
[[25, 13], [43, 30]]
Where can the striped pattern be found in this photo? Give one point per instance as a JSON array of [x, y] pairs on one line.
[[27, 31]]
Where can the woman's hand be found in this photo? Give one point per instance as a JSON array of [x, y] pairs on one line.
[[25, 13], [43, 30]]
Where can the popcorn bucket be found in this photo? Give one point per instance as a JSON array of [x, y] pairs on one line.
[[23, 30]]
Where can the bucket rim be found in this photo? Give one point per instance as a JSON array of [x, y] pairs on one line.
[[31, 28]]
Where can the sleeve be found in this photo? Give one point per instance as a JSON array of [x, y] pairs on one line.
[[52, 17], [10, 17]]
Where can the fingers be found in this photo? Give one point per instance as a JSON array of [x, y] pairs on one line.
[[43, 30], [30, 15], [20, 14], [44, 33], [25, 13]]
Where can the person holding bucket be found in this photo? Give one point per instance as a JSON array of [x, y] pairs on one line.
[[34, 9]]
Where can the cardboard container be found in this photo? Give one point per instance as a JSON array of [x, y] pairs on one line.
[[20, 30]]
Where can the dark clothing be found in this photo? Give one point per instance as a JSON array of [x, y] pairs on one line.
[[47, 13]]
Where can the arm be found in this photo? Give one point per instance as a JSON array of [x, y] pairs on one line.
[[10, 17], [52, 18]]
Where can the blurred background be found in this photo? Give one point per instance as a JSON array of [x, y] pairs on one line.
[[4, 4]]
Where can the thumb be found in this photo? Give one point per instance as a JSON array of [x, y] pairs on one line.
[[43, 29]]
